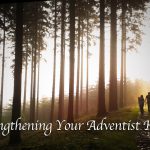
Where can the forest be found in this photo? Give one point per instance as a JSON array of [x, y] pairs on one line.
[[79, 49]]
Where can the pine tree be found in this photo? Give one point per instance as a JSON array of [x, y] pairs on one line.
[[113, 58], [15, 137], [78, 63], [72, 49], [54, 64], [62, 64], [3, 68], [101, 87]]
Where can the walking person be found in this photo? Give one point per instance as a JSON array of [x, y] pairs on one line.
[[148, 101], [141, 104]]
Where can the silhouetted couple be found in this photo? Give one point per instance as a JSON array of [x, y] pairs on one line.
[[141, 103]]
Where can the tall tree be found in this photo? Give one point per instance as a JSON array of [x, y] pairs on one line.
[[62, 64], [87, 58], [15, 136], [31, 85], [25, 81], [124, 74], [81, 82], [54, 64], [101, 87], [3, 69], [123, 56], [78, 63], [38, 81], [72, 49], [32, 107], [113, 57]]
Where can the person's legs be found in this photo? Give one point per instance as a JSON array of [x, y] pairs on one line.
[[141, 109], [148, 107]]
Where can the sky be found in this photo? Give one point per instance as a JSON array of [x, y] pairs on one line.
[[137, 65]]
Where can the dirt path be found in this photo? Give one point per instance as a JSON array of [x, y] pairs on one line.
[[143, 137]]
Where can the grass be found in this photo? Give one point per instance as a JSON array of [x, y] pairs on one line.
[[83, 140]]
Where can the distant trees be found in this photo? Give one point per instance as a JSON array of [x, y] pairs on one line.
[[5, 25], [131, 22], [85, 25], [35, 29]]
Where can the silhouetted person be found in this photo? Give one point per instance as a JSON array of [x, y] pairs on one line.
[[148, 101], [141, 104]]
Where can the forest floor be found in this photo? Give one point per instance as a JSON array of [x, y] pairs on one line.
[[143, 136], [82, 140]]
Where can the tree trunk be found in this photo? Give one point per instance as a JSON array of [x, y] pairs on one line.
[[124, 72], [101, 87], [25, 82], [62, 65], [87, 62], [32, 119], [72, 49], [3, 69], [113, 58], [54, 65], [38, 84], [15, 137], [31, 86], [78, 65], [81, 82], [123, 53]]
